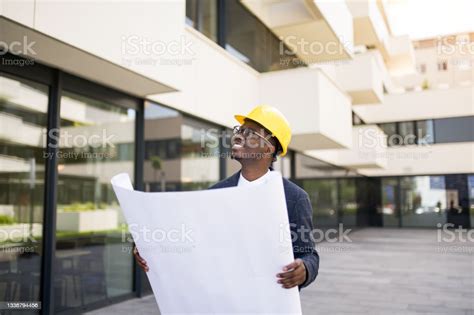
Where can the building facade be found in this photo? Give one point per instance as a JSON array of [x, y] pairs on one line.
[[383, 127]]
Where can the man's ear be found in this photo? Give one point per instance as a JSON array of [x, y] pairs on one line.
[[270, 149]]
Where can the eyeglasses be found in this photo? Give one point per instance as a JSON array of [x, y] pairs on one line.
[[247, 132]]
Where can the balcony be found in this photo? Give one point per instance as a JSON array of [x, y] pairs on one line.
[[369, 25], [15, 130], [401, 55], [426, 159], [368, 150], [426, 104], [361, 78], [316, 31], [318, 111]]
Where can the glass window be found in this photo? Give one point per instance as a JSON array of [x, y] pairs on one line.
[[191, 9], [199, 155], [406, 130], [425, 131], [23, 108], [323, 196], [181, 153], [232, 166], [390, 211], [470, 181], [202, 15], [93, 259], [456, 129], [390, 129], [348, 200], [252, 42], [423, 201]]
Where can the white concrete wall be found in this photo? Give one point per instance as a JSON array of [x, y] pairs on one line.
[[368, 150], [446, 158], [369, 10], [215, 86], [361, 77], [317, 110], [112, 30], [339, 19], [459, 72], [425, 104]]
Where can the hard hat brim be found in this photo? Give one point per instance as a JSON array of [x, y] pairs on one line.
[[241, 120]]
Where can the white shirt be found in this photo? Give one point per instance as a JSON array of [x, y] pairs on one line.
[[245, 182]]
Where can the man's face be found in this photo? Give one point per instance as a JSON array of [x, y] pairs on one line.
[[251, 146]]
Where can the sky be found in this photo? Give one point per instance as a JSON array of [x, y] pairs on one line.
[[422, 19]]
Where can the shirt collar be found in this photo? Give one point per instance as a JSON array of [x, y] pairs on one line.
[[245, 182]]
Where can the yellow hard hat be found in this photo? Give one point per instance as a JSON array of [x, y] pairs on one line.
[[273, 120]]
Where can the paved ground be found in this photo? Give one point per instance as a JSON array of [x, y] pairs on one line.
[[383, 271]]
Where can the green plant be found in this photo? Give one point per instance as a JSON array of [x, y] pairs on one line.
[[77, 206], [6, 220], [155, 162], [425, 85]]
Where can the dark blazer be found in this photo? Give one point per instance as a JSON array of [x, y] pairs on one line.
[[300, 215]]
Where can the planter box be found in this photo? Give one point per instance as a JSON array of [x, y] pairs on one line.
[[87, 221]]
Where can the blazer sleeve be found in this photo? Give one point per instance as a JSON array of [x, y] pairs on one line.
[[303, 245]]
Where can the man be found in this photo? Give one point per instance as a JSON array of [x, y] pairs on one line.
[[263, 135]]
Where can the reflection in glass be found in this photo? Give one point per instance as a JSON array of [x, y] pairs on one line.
[[202, 15], [425, 131], [92, 258], [181, 153], [390, 129], [470, 181], [423, 201], [323, 196], [406, 131], [390, 210], [250, 41], [23, 106], [348, 201]]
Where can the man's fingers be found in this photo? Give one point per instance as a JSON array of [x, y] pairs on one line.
[[289, 286], [144, 266], [290, 273], [293, 265], [288, 280], [140, 261], [289, 283]]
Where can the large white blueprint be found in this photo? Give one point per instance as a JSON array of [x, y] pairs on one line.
[[213, 251]]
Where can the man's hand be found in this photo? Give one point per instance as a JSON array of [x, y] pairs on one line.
[[293, 274], [140, 261]]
